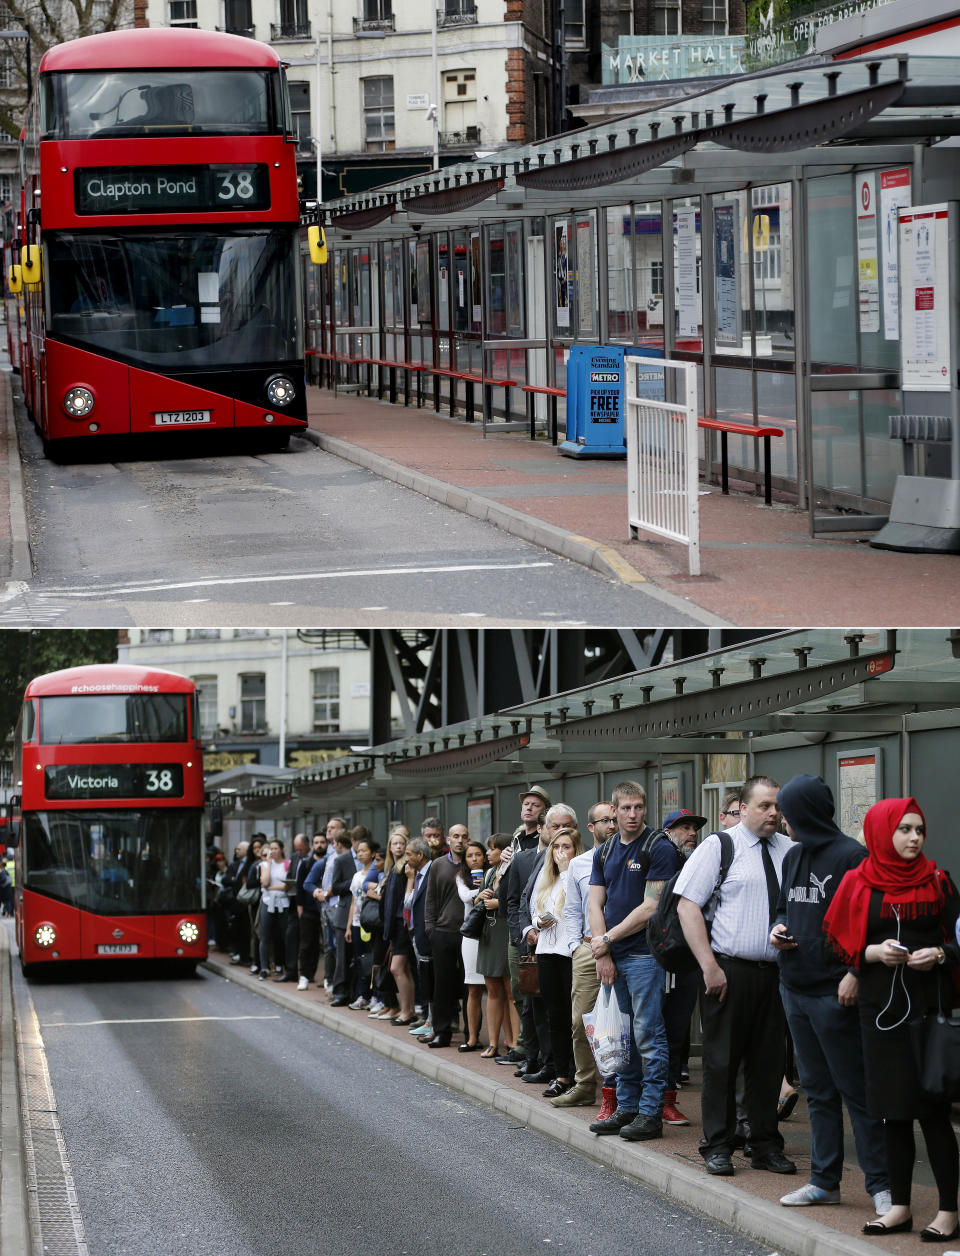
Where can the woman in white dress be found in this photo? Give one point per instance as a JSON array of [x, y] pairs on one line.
[[469, 880]]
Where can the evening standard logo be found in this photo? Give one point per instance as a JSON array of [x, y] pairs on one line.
[[604, 377]]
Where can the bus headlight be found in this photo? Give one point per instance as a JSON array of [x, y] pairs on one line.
[[188, 931], [45, 936], [78, 402], [280, 390]]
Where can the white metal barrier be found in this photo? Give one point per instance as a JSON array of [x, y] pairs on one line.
[[662, 453]]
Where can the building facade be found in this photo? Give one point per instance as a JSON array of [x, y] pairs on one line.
[[265, 696]]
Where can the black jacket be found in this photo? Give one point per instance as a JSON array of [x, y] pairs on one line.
[[812, 869], [344, 870], [519, 873], [309, 904]]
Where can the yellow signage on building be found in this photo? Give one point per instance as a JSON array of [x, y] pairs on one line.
[[310, 758], [221, 760]]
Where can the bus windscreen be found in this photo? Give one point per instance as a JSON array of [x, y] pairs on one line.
[[105, 104], [111, 718], [116, 863], [172, 301]]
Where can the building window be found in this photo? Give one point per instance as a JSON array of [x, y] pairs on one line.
[[326, 699], [377, 16], [378, 122], [8, 71], [203, 634], [158, 636], [183, 12], [656, 278], [6, 190], [207, 704], [300, 112], [253, 702], [243, 634], [713, 17], [238, 17], [457, 13], [666, 18], [574, 30]]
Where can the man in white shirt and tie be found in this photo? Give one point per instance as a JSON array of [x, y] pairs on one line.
[[740, 1007]]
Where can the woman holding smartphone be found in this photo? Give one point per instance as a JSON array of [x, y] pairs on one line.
[[554, 963], [893, 918]]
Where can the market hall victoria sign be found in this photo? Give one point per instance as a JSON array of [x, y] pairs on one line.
[[171, 189], [114, 780]]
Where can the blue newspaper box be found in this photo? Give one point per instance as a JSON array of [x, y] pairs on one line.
[[595, 405]]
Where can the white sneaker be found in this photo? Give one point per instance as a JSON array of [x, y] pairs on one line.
[[883, 1202], [810, 1194], [327, 986], [376, 1005], [302, 983], [358, 1005]]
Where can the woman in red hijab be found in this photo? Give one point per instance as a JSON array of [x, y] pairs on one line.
[[891, 919]]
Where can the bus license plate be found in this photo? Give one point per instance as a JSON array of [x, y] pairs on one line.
[[118, 948], [181, 418]]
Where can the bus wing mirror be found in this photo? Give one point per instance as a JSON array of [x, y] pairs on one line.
[[318, 245], [10, 835], [30, 264], [14, 279]]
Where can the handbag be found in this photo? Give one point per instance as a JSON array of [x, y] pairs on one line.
[[528, 975], [250, 894], [473, 926], [370, 915], [940, 1062]]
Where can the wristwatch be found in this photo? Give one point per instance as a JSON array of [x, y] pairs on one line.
[[605, 939], [941, 958]]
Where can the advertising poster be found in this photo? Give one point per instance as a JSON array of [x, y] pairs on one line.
[[514, 280], [867, 259], [924, 299], [894, 196], [475, 272], [585, 300], [562, 274], [727, 282], [480, 819], [688, 304], [424, 308]]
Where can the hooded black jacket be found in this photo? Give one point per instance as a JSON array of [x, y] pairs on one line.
[[812, 869]]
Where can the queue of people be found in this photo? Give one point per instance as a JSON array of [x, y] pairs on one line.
[[801, 940]]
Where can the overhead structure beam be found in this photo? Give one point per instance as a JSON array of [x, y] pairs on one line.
[[724, 705]]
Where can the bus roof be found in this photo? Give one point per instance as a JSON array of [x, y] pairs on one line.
[[156, 47], [107, 678]]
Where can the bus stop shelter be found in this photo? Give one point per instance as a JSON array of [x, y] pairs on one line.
[[780, 192]]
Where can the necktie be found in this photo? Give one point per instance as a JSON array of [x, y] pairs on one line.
[[773, 885]]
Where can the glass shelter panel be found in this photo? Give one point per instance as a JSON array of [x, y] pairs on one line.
[[831, 271], [771, 240], [620, 288]]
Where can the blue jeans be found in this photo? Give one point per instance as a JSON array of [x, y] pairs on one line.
[[826, 1038], [639, 991]]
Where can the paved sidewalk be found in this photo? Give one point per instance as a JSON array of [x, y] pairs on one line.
[[748, 1202], [14, 545], [760, 565]]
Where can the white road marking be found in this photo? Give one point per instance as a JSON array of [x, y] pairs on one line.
[[119, 590], [151, 1020]]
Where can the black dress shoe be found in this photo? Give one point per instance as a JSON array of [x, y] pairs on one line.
[[284, 977], [902, 1227], [439, 1040], [613, 1124], [645, 1126], [719, 1164], [343, 1001], [546, 1074], [530, 1066], [930, 1235], [774, 1162]]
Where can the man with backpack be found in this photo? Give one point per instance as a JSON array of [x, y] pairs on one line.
[[629, 872], [740, 1009]]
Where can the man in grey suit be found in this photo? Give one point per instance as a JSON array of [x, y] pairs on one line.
[[344, 868]]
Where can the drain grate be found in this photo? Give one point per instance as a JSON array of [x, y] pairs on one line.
[[55, 1221]]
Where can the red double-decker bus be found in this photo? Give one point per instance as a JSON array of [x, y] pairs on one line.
[[110, 846], [158, 240]]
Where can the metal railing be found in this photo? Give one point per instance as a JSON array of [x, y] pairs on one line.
[[465, 15], [456, 139], [280, 31], [663, 472], [374, 23]]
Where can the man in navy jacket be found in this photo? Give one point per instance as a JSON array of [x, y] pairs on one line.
[[820, 996]]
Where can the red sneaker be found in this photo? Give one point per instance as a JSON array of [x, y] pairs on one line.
[[671, 1113]]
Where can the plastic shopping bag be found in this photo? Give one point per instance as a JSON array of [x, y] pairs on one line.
[[608, 1032]]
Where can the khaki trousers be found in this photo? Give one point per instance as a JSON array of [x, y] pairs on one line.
[[586, 987]]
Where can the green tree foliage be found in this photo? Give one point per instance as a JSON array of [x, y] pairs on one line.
[[47, 24], [25, 653]]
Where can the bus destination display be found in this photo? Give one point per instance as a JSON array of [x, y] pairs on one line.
[[171, 189], [114, 780]]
